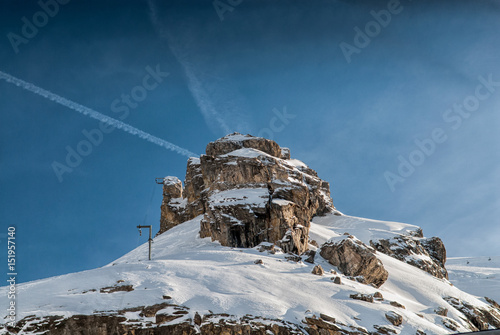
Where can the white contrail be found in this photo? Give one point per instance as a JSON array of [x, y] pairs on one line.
[[201, 97], [94, 114]]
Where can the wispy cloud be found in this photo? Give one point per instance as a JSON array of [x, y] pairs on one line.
[[219, 105]]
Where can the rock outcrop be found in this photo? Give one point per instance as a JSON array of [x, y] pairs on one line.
[[354, 258], [249, 191], [428, 254], [479, 318]]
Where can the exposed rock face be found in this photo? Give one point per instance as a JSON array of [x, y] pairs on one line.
[[428, 254], [210, 324], [173, 205], [479, 318], [354, 258], [249, 191]]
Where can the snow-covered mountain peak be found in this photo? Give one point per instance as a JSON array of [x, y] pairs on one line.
[[252, 244]]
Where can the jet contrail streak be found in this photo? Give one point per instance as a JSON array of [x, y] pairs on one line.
[[94, 114], [195, 86]]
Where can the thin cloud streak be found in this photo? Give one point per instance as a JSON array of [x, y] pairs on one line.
[[195, 86], [94, 114]]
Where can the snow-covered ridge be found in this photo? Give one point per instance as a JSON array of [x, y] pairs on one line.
[[252, 240], [202, 275]]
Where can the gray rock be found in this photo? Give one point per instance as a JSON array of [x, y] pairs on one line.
[[353, 258], [404, 248], [284, 196], [394, 318]]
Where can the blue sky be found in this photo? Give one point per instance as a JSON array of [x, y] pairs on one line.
[[349, 118]]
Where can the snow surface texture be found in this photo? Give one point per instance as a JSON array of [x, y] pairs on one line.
[[476, 275], [203, 275]]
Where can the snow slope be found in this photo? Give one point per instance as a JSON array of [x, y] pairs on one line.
[[203, 275], [476, 275]]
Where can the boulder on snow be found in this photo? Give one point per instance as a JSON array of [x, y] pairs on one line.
[[318, 270], [354, 258], [394, 318], [362, 297], [397, 304], [441, 311]]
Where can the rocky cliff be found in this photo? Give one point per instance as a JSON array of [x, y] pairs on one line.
[[249, 191]]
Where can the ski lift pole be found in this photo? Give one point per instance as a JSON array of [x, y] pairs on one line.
[[150, 239]]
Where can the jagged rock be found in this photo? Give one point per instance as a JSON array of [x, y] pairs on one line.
[[436, 249], [258, 261], [197, 319], [285, 153], [293, 258], [363, 297], [321, 323], [337, 280], [382, 330], [450, 324], [480, 318], [318, 270], [120, 288], [354, 258], [378, 295], [150, 311], [193, 187], [237, 141], [441, 311], [264, 246], [492, 302], [310, 254], [114, 324], [173, 205], [428, 254], [249, 191], [394, 318], [397, 304]]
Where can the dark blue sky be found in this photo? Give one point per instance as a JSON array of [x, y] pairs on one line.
[[350, 118]]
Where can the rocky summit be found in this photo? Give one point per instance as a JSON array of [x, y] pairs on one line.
[[249, 191], [251, 243]]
